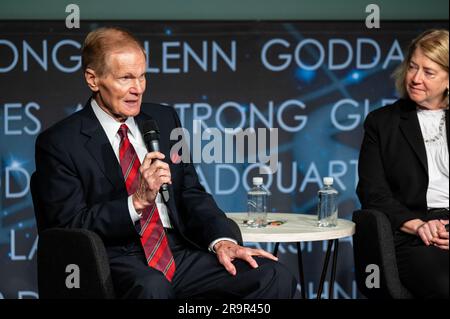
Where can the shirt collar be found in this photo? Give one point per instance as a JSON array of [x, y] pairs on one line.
[[110, 125]]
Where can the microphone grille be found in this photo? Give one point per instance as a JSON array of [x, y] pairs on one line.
[[150, 130]]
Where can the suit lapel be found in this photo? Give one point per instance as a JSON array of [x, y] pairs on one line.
[[409, 125], [100, 149]]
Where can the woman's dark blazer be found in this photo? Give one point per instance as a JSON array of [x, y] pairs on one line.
[[393, 171]]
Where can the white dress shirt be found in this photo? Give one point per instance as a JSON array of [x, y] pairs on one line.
[[111, 128], [434, 133]]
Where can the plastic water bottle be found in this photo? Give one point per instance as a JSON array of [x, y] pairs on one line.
[[257, 202], [327, 208]]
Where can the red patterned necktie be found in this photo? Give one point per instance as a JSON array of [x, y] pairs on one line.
[[153, 237]]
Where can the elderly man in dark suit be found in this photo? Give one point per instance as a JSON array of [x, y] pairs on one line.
[[95, 172]]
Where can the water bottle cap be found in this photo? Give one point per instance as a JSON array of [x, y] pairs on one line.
[[257, 181], [328, 181]]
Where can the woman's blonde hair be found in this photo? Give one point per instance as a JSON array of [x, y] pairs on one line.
[[434, 45]]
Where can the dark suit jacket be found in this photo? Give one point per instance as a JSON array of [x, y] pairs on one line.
[[393, 171], [81, 183]]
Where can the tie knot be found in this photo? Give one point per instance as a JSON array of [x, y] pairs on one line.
[[123, 131]]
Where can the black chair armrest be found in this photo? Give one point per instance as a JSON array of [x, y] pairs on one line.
[[373, 243], [58, 248]]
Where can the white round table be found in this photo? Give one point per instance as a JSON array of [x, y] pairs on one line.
[[298, 228]]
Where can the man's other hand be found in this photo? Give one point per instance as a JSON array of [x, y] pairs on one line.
[[228, 251]]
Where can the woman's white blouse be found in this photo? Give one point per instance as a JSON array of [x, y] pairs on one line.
[[432, 125]]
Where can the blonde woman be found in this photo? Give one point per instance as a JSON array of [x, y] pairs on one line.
[[404, 166]]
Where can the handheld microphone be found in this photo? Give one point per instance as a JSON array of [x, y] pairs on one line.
[[150, 133]]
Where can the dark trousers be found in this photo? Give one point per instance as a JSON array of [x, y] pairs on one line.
[[424, 270], [198, 275]]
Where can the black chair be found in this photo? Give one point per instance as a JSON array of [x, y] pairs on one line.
[[59, 248], [373, 243]]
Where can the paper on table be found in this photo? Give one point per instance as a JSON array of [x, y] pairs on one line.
[[270, 222]]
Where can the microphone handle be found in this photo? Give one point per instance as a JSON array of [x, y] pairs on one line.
[[154, 147]]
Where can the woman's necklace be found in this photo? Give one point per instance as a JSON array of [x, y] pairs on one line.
[[439, 133]]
